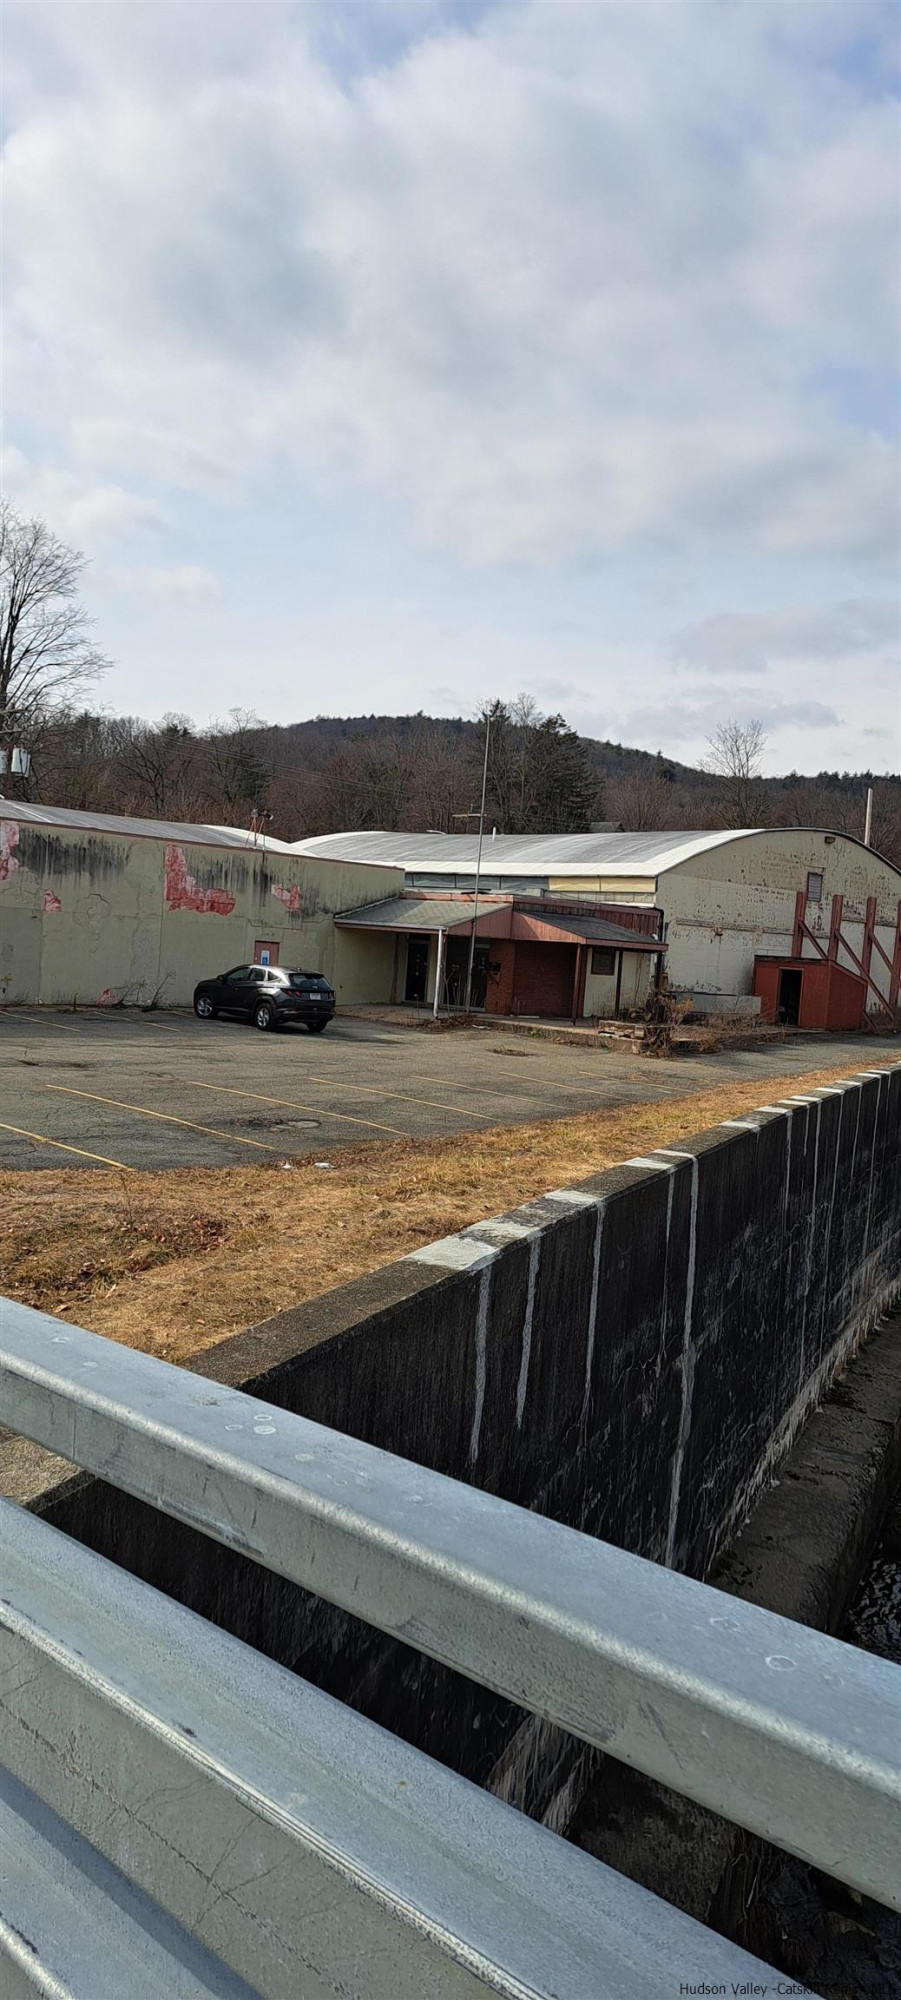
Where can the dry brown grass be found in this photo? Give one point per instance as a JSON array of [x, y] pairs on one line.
[[170, 1262]]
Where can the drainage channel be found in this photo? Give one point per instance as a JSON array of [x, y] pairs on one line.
[[843, 1945], [822, 1546]]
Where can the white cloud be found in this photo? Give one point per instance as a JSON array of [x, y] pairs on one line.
[[187, 582], [692, 722], [570, 323], [560, 282], [90, 514], [860, 635]]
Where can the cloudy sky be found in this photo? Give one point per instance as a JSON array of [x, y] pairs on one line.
[[384, 356]]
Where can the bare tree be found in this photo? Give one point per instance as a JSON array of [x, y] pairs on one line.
[[45, 643], [237, 779], [160, 763], [440, 784], [734, 757], [644, 801]]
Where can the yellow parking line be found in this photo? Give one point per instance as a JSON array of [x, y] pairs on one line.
[[553, 1083], [343, 1116], [41, 1021], [401, 1096], [42, 1140], [484, 1088], [124, 1016], [141, 1111]]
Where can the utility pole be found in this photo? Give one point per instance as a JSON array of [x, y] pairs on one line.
[[475, 903], [868, 826], [257, 822]]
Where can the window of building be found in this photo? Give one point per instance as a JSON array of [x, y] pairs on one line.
[[603, 960], [814, 888]]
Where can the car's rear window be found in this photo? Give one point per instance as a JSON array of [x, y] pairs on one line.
[[308, 982]]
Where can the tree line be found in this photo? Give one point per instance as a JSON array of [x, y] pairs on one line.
[[412, 773]]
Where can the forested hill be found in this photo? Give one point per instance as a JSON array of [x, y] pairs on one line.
[[419, 771]]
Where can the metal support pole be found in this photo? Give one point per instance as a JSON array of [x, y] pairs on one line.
[[868, 824], [475, 904], [895, 983], [869, 929], [835, 926], [439, 972]]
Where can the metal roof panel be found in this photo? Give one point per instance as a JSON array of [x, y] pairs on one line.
[[556, 854]]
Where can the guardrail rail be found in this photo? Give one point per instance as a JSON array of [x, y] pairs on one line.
[[225, 1828]]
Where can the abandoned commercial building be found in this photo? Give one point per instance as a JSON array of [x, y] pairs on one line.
[[560, 960], [96, 908], [794, 923]]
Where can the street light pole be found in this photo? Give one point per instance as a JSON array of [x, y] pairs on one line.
[[475, 903], [868, 824]]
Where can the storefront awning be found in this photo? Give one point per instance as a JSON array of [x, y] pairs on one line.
[[432, 914], [523, 918]]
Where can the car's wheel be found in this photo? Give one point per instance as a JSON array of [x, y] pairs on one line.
[[263, 1016], [203, 1006], [317, 1027]]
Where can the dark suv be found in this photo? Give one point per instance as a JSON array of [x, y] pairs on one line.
[[269, 994]]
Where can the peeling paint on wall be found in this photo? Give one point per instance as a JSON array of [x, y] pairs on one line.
[[182, 893], [108, 998], [290, 897], [9, 841], [126, 914]]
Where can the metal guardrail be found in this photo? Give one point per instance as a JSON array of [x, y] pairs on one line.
[[781, 1729], [312, 1852], [70, 1925], [309, 1851]]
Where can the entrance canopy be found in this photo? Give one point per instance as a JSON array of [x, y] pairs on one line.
[[528, 955], [431, 914], [521, 918]]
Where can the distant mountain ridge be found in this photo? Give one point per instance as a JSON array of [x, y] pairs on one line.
[[422, 773], [609, 759]]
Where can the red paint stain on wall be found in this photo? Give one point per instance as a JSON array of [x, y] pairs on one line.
[[9, 841], [109, 997], [182, 892], [51, 903], [290, 897]]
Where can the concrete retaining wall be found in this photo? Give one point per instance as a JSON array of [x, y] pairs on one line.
[[632, 1356]]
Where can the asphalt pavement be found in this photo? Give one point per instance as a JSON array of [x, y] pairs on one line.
[[156, 1090]]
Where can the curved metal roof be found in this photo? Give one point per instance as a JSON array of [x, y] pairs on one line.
[[626, 854], [65, 817]]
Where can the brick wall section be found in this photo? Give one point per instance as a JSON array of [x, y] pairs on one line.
[[499, 993]]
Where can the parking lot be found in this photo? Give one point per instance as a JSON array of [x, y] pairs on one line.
[[136, 1090]]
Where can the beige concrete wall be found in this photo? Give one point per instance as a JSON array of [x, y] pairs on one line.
[[364, 966], [85, 914], [600, 994], [610, 888], [725, 906], [600, 989]]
